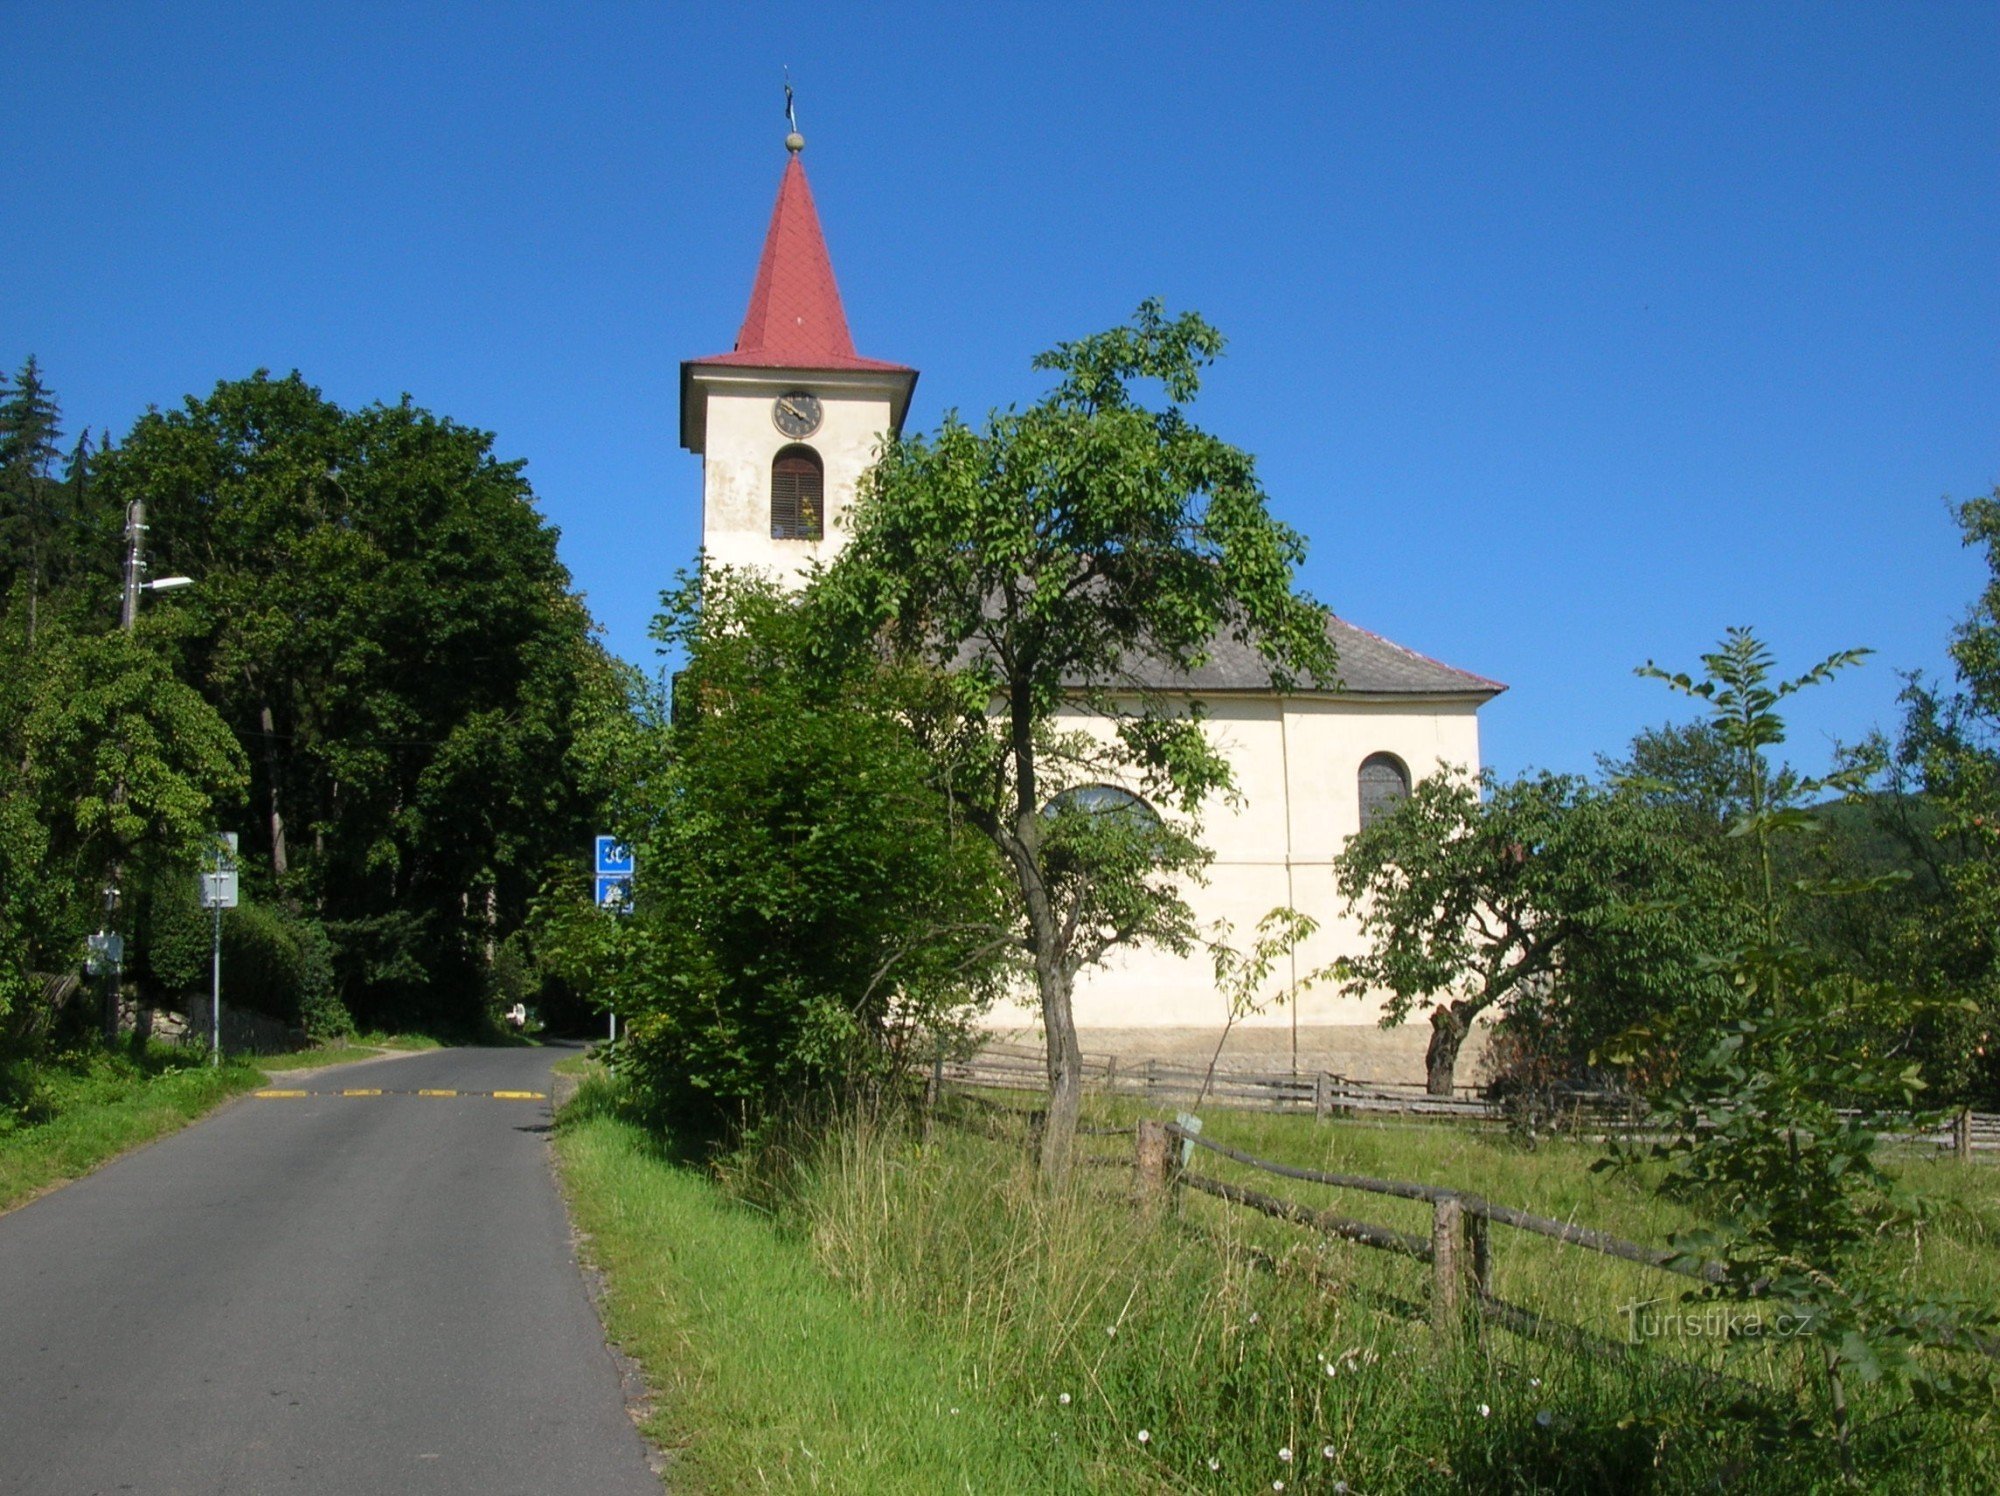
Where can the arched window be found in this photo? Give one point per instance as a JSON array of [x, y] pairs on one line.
[[1092, 821], [798, 494], [1103, 800], [1384, 782]]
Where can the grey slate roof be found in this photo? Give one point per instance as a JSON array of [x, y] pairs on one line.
[[1369, 666]]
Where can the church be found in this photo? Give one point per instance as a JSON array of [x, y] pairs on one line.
[[788, 420]]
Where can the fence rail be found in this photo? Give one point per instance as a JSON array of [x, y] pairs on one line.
[[1324, 1094], [1459, 1248]]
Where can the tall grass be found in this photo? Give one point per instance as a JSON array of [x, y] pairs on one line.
[[1198, 1348]]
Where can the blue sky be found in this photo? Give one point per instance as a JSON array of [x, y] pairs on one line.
[[1570, 335]]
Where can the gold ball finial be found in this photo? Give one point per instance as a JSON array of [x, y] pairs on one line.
[[795, 142]]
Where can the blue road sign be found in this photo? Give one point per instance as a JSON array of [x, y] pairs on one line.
[[614, 892], [613, 856]]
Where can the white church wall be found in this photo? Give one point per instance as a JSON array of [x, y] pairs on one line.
[[1297, 764]]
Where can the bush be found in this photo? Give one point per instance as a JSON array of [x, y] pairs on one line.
[[321, 1013], [274, 962], [807, 914]]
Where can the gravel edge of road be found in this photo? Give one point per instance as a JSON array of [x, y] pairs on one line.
[[639, 1398]]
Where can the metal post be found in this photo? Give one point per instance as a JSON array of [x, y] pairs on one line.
[[128, 619], [614, 1028], [215, 984], [135, 528]]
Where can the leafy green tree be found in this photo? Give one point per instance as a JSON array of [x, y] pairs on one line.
[[1036, 564], [1544, 899], [109, 757], [808, 914], [1893, 927], [1773, 1114], [1946, 764], [381, 618]]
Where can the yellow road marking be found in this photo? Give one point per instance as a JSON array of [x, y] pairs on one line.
[[270, 1095]]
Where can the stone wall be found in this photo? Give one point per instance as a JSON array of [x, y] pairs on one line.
[[242, 1032]]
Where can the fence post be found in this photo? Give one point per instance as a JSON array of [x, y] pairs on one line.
[[1962, 1135], [1319, 1096], [1446, 1217], [1111, 1074], [1479, 1241], [1149, 1160]]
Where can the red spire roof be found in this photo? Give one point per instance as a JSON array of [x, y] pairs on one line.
[[795, 320]]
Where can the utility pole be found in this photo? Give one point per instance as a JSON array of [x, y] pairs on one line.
[[135, 564], [128, 620]]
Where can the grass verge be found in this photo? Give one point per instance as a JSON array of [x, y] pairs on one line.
[[814, 1313], [770, 1376], [85, 1109]]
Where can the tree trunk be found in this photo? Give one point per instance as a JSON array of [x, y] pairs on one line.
[[1065, 1071], [1448, 1030], [280, 861]]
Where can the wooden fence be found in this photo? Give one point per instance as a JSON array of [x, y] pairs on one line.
[[1323, 1094], [1458, 1248]]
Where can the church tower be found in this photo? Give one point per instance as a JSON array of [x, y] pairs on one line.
[[787, 421]]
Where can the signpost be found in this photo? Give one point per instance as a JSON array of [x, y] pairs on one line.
[[107, 952], [611, 887], [613, 875], [218, 892]]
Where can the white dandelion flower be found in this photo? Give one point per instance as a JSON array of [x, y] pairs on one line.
[[1484, 1411], [1326, 1452], [1545, 1418], [1063, 1398], [1285, 1455], [1144, 1437]]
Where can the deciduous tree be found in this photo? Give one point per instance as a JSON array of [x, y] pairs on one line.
[[1542, 898], [382, 620], [1044, 565]]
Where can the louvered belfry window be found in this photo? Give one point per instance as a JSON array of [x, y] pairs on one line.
[[1384, 782], [798, 495]]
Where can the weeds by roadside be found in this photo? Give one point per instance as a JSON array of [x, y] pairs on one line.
[[79, 1110], [1192, 1350]]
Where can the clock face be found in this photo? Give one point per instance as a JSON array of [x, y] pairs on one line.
[[796, 414]]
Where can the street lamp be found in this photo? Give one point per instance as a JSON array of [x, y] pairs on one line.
[[135, 567], [107, 949]]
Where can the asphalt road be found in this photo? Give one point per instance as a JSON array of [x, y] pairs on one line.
[[351, 1294]]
